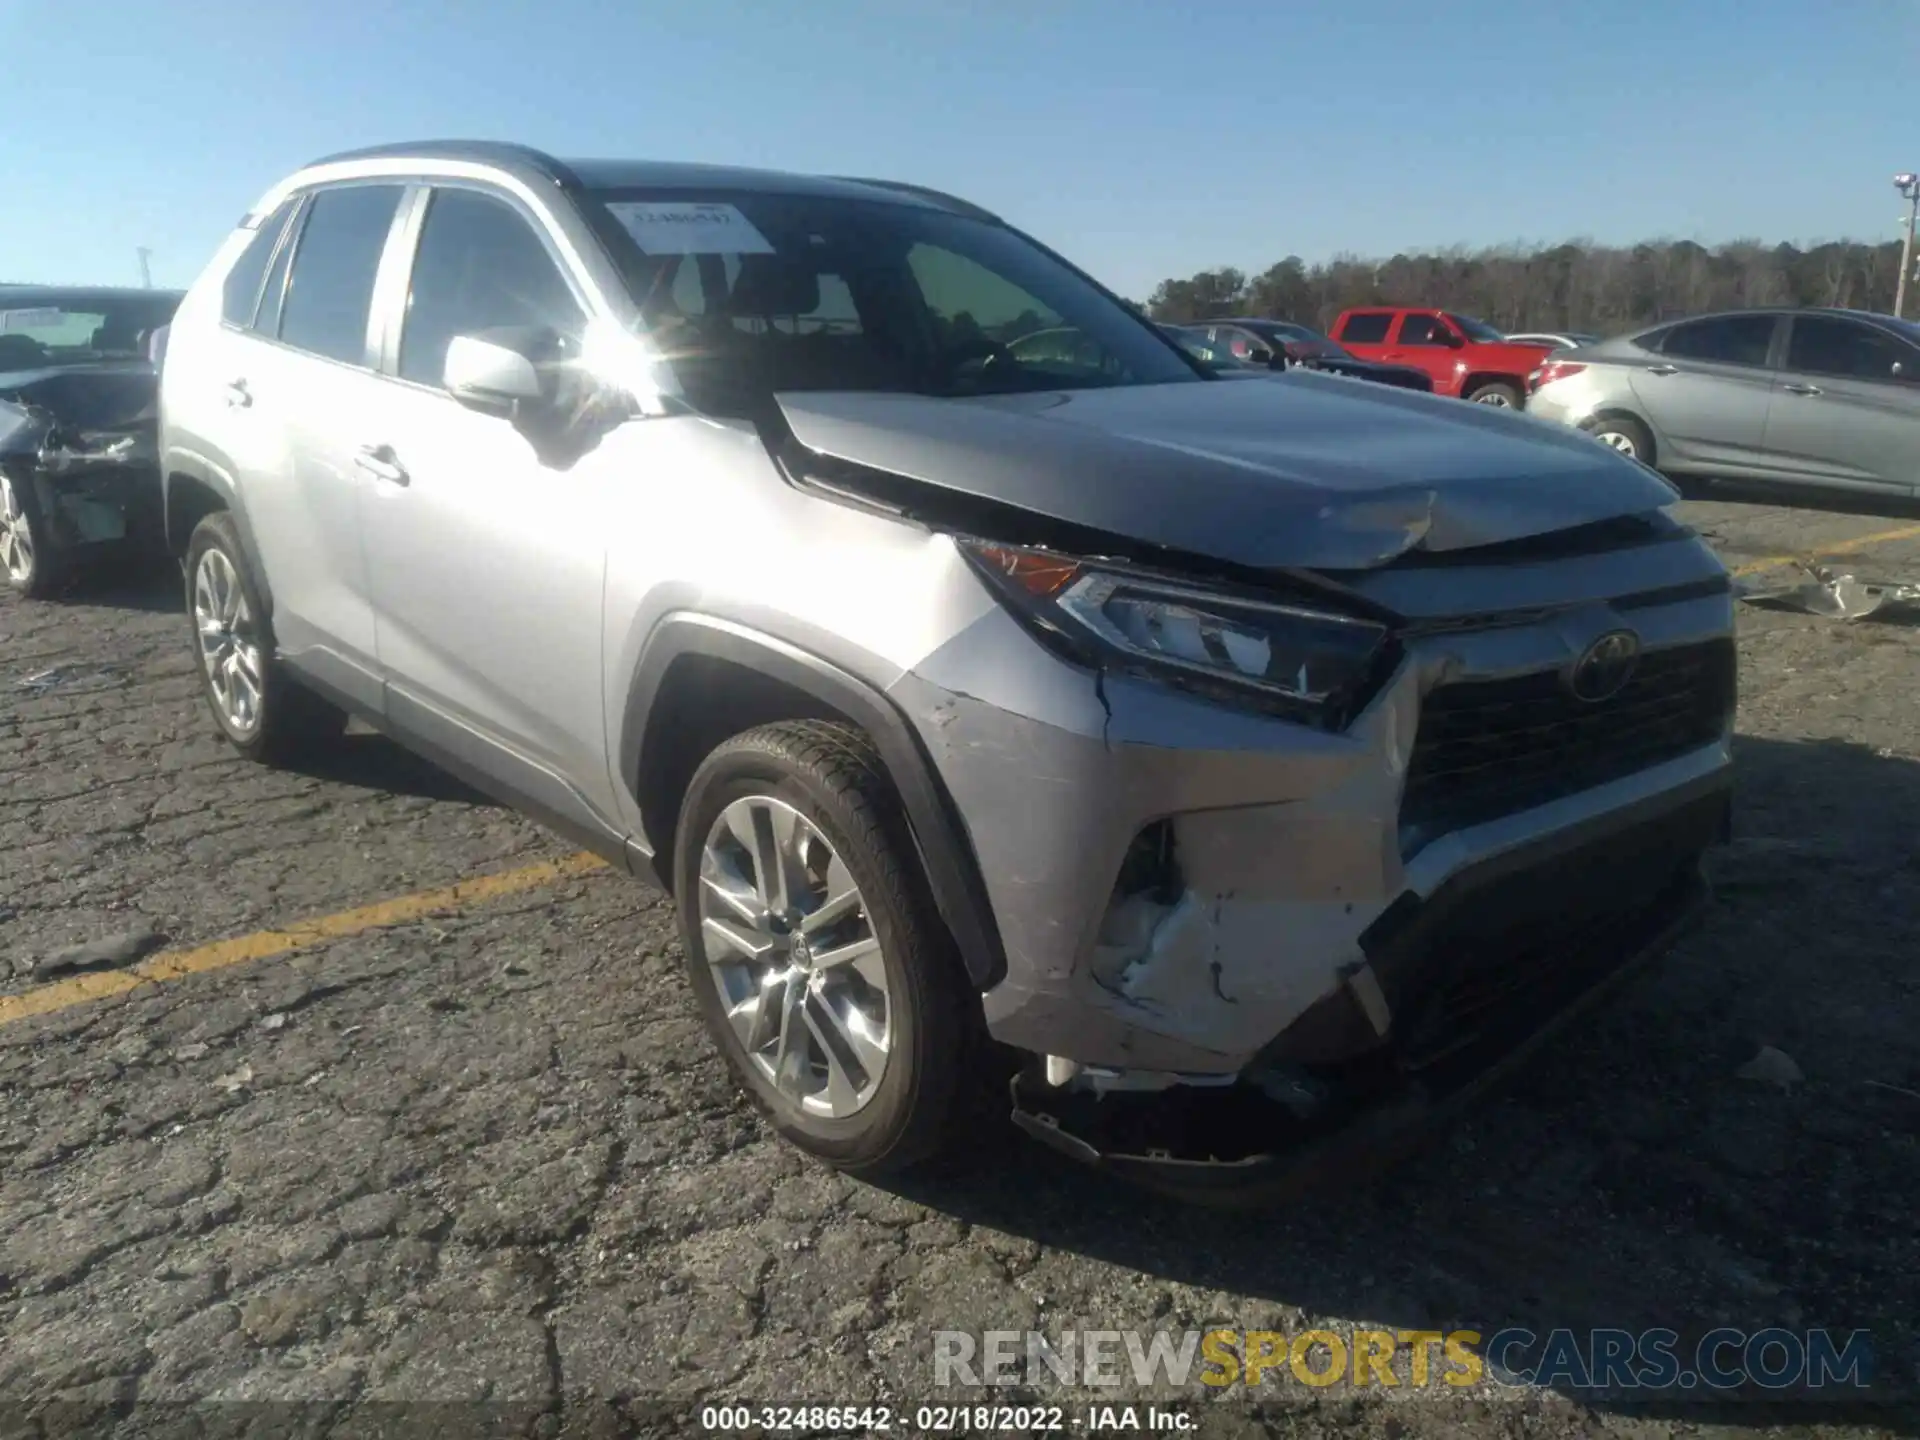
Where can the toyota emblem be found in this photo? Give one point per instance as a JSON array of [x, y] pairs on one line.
[[1605, 667]]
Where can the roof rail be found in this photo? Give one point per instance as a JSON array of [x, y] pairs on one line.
[[926, 192], [491, 152]]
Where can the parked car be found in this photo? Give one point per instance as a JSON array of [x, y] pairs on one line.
[[1804, 397], [1282, 345], [1557, 340], [1080, 702], [79, 425], [1464, 357]]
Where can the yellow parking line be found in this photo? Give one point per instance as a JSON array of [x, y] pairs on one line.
[[264, 944], [1845, 547]]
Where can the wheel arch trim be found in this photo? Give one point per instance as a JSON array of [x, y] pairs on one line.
[[945, 853], [188, 464]]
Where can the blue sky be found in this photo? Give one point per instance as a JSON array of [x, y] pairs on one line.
[[1144, 138]]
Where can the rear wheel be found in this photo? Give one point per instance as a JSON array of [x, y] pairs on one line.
[[1496, 392], [821, 967], [265, 713], [26, 550], [1625, 434]]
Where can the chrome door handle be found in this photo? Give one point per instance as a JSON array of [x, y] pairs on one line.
[[378, 461], [1801, 389], [238, 396], [1663, 369]]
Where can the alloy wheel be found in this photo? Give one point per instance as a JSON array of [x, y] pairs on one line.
[[1493, 397], [795, 959], [229, 641], [16, 535], [1616, 440]]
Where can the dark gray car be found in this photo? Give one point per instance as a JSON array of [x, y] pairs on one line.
[[1804, 397]]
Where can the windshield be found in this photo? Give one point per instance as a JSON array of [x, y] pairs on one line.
[[1476, 329], [752, 293], [45, 327]]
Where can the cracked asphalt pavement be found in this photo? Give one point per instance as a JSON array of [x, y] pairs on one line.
[[482, 1162]]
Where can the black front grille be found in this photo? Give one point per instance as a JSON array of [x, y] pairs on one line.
[[1490, 748]]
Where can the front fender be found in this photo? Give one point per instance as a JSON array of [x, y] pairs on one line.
[[946, 855]]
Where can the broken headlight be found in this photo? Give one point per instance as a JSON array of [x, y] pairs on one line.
[[1307, 664]]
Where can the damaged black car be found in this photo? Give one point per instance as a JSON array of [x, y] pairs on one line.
[[79, 428]]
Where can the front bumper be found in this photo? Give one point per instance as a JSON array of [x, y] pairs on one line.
[[100, 504], [1493, 995]]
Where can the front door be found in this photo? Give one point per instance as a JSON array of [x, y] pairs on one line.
[[488, 562], [1846, 406]]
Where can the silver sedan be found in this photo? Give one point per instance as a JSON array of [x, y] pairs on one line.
[[1801, 397]]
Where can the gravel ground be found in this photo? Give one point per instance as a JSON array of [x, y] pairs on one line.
[[484, 1166]]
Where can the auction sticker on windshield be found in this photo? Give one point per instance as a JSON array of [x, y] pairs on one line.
[[689, 228]]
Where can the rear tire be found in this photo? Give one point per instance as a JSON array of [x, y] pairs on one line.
[[262, 710], [800, 1029], [33, 566], [1496, 392], [1625, 434]]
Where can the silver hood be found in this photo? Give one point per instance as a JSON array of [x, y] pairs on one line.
[[1311, 471]]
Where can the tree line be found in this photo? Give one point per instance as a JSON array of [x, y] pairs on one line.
[[1572, 286]]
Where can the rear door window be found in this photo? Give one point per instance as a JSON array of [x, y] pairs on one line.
[[330, 291], [1722, 340], [1367, 329]]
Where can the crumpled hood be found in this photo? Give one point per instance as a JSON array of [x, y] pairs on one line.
[[1312, 471]]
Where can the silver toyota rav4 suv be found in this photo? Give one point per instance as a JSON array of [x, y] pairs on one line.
[[1251, 768]]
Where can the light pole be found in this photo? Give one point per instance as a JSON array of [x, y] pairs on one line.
[[1908, 184], [146, 274]]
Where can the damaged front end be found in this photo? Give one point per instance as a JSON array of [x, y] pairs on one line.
[[81, 456], [1294, 873]]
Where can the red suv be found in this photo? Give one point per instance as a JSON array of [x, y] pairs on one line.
[[1467, 358]]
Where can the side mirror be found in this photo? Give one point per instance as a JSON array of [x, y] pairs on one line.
[[1452, 340], [505, 372], [1260, 355]]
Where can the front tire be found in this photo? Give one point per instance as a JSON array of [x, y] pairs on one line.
[[1496, 392], [821, 967], [263, 711], [27, 552]]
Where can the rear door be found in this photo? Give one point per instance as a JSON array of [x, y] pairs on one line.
[[1846, 406], [1365, 332], [295, 387], [1707, 391]]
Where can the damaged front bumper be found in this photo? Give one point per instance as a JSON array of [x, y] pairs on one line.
[[1503, 959], [89, 488]]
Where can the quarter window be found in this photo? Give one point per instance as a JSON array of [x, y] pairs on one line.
[[480, 266], [240, 293], [1723, 340], [330, 292]]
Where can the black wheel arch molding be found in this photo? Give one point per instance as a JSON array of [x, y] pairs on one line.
[[946, 854], [178, 465]]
